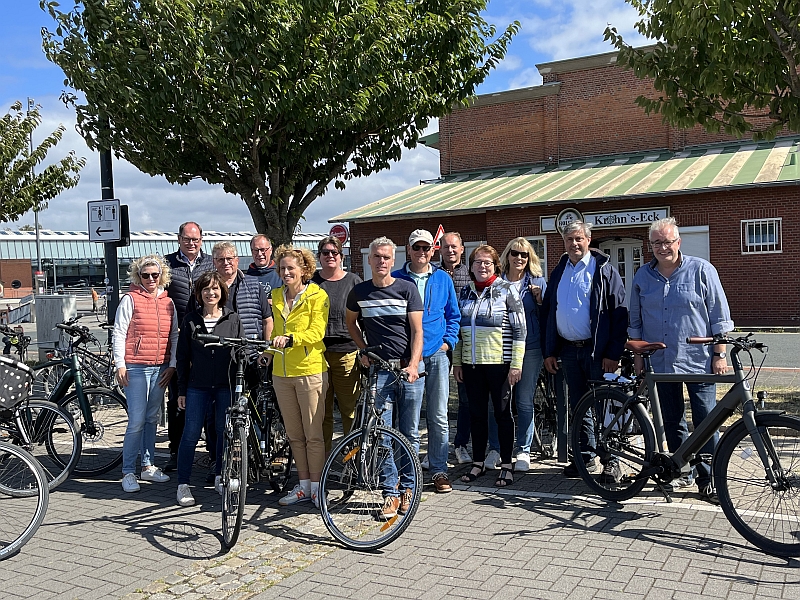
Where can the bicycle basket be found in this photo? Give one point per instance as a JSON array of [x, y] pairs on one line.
[[15, 381]]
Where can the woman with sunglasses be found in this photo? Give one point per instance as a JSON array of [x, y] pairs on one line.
[[521, 268], [145, 339], [488, 357], [340, 349]]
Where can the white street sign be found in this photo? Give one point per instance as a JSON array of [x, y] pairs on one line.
[[104, 221]]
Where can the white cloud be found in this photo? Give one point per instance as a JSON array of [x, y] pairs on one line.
[[526, 78], [511, 62]]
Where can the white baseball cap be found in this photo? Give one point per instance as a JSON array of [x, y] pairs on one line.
[[420, 235]]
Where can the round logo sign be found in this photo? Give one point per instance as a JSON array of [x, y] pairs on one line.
[[565, 217], [339, 232]]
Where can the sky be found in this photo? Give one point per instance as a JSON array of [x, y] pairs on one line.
[[550, 30]]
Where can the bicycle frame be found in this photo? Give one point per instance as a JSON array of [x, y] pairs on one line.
[[71, 375]]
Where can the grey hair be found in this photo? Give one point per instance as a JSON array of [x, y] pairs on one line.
[[453, 234], [382, 241], [586, 228], [665, 223], [221, 247]]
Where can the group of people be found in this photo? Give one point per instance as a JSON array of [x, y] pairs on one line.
[[494, 320]]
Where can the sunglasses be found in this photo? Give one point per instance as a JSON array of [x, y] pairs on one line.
[[517, 253], [418, 248], [330, 253], [150, 275]]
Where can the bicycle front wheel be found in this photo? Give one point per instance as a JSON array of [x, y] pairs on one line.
[[20, 514], [545, 419], [623, 440], [280, 466], [102, 429], [766, 515], [353, 488], [234, 483]]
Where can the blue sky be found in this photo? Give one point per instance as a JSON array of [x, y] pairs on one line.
[[551, 30]]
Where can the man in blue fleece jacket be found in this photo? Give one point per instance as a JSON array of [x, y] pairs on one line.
[[440, 324]]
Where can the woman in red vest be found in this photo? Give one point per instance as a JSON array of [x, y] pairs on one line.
[[145, 339]]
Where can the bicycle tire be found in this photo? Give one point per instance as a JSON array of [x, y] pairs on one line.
[[234, 483], [104, 437], [631, 442], [280, 466], [545, 420], [53, 439], [20, 515], [351, 509], [46, 379], [766, 517]]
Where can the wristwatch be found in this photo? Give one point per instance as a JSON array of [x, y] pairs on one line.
[[720, 354]]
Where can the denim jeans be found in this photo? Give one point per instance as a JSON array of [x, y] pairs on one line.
[[580, 368], [462, 424], [401, 403], [702, 399], [144, 402], [523, 396], [198, 403], [437, 390]]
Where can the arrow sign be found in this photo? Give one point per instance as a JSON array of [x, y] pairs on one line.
[[104, 221], [99, 231]]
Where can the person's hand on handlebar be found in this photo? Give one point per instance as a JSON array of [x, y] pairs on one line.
[[413, 372], [365, 361], [280, 341]]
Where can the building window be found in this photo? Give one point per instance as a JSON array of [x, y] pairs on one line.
[[540, 246], [761, 236]]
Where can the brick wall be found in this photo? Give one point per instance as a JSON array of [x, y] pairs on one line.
[[16, 269]]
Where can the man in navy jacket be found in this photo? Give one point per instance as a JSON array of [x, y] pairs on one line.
[[584, 323]]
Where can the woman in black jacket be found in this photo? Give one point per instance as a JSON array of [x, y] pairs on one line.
[[205, 375]]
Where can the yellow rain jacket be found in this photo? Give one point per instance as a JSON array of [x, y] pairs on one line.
[[306, 323]]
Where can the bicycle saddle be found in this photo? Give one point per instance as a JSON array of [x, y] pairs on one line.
[[642, 347]]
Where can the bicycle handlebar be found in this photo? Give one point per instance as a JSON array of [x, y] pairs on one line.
[[385, 365], [740, 343], [207, 338]]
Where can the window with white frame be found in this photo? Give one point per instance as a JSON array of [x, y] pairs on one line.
[[761, 236], [540, 247]]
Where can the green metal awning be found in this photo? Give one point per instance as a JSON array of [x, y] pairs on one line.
[[658, 173]]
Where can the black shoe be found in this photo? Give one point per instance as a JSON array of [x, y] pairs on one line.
[[172, 463], [571, 471], [211, 474], [709, 494]]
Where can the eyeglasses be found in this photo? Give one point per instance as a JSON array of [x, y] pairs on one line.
[[517, 253], [664, 243], [483, 263], [418, 248], [150, 275], [329, 253], [226, 259], [189, 240], [262, 250]]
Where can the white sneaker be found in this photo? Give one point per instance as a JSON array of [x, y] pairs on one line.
[[425, 463], [129, 483], [153, 473], [218, 484], [185, 497], [462, 455], [315, 500], [492, 460], [523, 462], [296, 495]]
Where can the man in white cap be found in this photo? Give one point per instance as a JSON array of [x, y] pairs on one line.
[[440, 325]]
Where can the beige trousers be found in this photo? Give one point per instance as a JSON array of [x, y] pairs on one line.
[[303, 408]]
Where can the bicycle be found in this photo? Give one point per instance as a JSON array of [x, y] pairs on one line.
[[256, 444], [101, 314], [350, 488], [18, 340], [25, 496], [545, 415], [756, 466]]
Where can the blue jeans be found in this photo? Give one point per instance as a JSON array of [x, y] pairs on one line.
[[198, 404], [580, 368], [145, 398], [702, 399], [407, 398], [462, 424], [437, 390], [523, 396]]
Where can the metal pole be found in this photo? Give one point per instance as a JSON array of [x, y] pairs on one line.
[[31, 104], [112, 264]]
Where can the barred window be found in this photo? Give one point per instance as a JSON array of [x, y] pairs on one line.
[[761, 236]]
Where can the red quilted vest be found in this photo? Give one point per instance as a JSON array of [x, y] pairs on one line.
[[147, 342]]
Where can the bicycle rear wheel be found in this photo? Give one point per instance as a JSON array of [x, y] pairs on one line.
[[768, 517], [104, 435], [280, 455], [46, 379], [234, 482], [350, 491], [624, 442], [20, 514], [545, 418]]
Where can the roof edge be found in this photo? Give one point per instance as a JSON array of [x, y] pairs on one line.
[[528, 93], [583, 63]]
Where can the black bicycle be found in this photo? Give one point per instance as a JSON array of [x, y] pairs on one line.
[[545, 415], [24, 497]]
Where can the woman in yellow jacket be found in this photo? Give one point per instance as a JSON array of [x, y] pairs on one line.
[[300, 373]]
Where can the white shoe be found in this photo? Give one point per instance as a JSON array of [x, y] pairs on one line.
[[492, 460], [218, 484], [296, 495], [185, 497], [153, 473], [129, 483], [425, 464], [462, 455], [523, 462], [315, 499]]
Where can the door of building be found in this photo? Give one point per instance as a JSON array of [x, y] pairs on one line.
[[626, 256]]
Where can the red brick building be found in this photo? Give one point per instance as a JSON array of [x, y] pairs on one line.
[[511, 162]]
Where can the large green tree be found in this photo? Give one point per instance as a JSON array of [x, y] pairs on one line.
[[729, 65], [273, 99], [24, 186]]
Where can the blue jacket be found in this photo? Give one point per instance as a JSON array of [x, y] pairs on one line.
[[441, 315], [607, 311], [532, 310]]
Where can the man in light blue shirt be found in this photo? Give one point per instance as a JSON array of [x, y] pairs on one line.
[[674, 297]]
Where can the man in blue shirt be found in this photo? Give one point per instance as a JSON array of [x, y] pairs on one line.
[[583, 322], [674, 297]]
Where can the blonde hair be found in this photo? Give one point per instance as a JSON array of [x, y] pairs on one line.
[[534, 267], [304, 258], [147, 261]]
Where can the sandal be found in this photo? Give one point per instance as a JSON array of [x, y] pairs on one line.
[[505, 478], [476, 471]]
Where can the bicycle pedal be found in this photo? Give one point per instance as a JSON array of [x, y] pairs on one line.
[[701, 458]]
